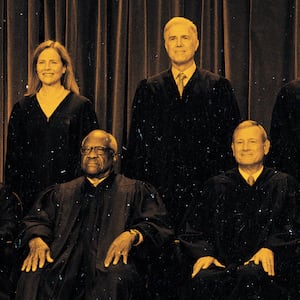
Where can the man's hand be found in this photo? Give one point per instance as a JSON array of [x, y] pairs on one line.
[[119, 247], [203, 263], [266, 257], [39, 252]]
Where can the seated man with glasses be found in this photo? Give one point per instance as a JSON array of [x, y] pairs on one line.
[[83, 237]]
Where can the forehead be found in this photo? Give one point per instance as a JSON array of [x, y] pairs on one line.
[[99, 140], [179, 29], [49, 53], [253, 132]]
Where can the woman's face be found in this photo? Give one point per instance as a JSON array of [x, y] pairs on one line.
[[49, 67]]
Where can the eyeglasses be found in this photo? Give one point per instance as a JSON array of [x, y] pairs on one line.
[[99, 150]]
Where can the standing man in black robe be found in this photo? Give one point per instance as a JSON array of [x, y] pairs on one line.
[[84, 235], [182, 121], [244, 228], [285, 130]]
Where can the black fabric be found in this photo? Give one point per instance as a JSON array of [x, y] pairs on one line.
[[244, 283], [175, 143], [10, 217], [79, 222], [42, 152], [231, 221], [285, 130]]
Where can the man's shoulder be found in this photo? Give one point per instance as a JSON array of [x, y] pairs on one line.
[[275, 175], [159, 76], [292, 85], [129, 183], [123, 180], [70, 185]]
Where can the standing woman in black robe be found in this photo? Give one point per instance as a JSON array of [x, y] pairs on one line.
[[46, 126]]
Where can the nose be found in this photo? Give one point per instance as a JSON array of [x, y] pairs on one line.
[[93, 153], [245, 146], [178, 42]]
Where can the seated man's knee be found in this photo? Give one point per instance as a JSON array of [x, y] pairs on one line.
[[252, 271]]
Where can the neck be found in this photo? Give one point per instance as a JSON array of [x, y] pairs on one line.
[[51, 89], [182, 67], [251, 169], [100, 175]]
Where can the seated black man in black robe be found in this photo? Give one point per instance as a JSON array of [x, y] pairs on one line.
[[80, 233], [243, 230]]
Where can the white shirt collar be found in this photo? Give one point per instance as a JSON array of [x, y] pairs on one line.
[[254, 175], [188, 72]]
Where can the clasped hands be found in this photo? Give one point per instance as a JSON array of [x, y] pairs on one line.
[[39, 252], [264, 256]]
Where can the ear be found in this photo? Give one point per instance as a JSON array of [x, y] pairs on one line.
[[197, 45], [232, 148], [64, 70], [267, 145]]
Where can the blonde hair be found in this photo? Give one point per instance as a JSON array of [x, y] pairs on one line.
[[180, 20], [67, 80]]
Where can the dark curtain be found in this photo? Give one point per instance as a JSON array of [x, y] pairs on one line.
[[116, 43]]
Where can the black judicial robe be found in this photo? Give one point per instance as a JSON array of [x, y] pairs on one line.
[[75, 214], [9, 220], [42, 152], [285, 130], [175, 143], [232, 221]]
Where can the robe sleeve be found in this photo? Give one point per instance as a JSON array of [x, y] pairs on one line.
[[225, 115], [285, 132], [284, 232], [134, 163], [14, 154], [197, 239], [88, 119], [9, 216], [40, 221], [150, 216]]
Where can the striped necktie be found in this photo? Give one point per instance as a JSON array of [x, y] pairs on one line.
[[250, 180], [180, 78]]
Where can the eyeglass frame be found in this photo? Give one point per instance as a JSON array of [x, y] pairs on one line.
[[99, 150]]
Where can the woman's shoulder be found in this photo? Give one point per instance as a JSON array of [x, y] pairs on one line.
[[78, 98], [25, 102]]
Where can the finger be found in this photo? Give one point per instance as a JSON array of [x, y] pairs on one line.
[[109, 257], [24, 266], [29, 263], [34, 264], [256, 260], [41, 259], [125, 257], [117, 257], [218, 264], [272, 269], [48, 257], [205, 265], [266, 266], [108, 260], [196, 269]]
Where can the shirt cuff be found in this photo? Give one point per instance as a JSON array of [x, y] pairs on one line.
[[139, 237]]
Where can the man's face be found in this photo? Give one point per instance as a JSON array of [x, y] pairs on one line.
[[248, 146], [96, 159], [181, 44]]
